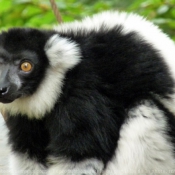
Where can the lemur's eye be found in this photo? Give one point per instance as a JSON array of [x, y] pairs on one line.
[[26, 66]]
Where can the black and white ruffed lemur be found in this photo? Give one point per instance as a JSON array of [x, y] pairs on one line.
[[95, 97]]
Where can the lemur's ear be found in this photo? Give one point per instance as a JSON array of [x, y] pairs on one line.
[[62, 52]]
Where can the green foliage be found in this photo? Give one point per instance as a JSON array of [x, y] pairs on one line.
[[26, 13], [38, 13], [161, 12]]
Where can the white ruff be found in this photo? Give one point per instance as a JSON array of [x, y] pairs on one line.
[[143, 148], [86, 167], [63, 55], [21, 165]]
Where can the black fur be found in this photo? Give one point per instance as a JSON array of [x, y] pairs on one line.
[[29, 136], [116, 72]]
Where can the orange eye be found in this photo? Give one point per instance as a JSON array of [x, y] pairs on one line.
[[26, 66]]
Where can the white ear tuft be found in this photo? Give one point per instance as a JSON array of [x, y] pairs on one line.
[[62, 52]]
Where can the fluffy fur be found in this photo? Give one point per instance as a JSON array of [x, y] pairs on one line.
[[98, 101], [144, 147]]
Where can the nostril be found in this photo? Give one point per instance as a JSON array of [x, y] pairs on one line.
[[3, 90]]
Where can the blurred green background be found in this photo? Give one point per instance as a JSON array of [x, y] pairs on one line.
[[38, 13]]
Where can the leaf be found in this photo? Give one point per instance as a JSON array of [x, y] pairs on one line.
[[162, 9]]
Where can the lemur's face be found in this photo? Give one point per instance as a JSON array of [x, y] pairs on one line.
[[22, 63]]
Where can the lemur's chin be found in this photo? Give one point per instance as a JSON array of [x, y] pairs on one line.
[[6, 100]]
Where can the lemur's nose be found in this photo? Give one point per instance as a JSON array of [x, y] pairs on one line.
[[4, 90]]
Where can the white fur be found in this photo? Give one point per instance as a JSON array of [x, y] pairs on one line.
[[131, 23], [86, 167], [63, 55], [21, 165], [4, 148], [144, 147]]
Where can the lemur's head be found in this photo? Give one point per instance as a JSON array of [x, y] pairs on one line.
[[33, 64], [23, 62]]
